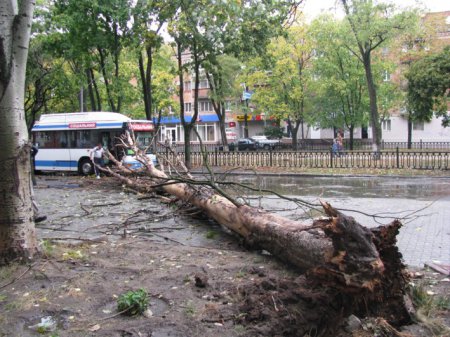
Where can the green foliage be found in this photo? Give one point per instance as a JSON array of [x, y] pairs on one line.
[[133, 302], [273, 131], [282, 78], [189, 309], [47, 248], [372, 26], [428, 83], [211, 234], [340, 88]]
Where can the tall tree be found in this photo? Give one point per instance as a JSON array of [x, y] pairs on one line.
[[372, 24], [95, 34], [207, 30], [428, 87], [340, 97], [149, 18], [222, 79], [282, 80], [17, 232], [415, 44]]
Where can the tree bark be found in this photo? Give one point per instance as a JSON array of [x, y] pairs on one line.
[[345, 260], [17, 232], [374, 116]]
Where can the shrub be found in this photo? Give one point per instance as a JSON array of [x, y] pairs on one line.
[[133, 302]]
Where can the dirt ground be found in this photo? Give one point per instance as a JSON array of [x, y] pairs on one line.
[[100, 241]]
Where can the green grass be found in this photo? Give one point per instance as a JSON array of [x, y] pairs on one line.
[[211, 234]]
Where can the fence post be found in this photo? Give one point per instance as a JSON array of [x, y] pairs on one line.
[[331, 158], [421, 144], [215, 156], [398, 157], [270, 156]]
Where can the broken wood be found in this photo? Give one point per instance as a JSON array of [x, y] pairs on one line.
[[358, 268]]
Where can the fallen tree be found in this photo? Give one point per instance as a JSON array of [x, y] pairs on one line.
[[350, 269]]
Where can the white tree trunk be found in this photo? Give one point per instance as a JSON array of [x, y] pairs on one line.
[[17, 232]]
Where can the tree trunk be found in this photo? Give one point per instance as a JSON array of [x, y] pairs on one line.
[[344, 260], [410, 127], [351, 128], [17, 232], [374, 117], [223, 132], [90, 89], [109, 93]]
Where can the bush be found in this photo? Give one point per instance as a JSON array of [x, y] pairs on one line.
[[273, 132], [133, 302]]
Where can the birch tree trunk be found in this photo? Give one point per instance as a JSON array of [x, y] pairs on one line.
[[17, 232]]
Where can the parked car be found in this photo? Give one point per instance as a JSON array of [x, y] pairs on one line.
[[265, 143], [130, 161], [246, 144]]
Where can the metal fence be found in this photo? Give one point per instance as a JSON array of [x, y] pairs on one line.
[[324, 145], [420, 160]]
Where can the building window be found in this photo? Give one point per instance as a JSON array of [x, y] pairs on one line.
[[187, 86], [419, 126], [207, 133], [386, 124], [205, 106], [203, 83], [187, 107], [228, 105]]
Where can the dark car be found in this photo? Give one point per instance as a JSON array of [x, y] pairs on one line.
[[246, 144]]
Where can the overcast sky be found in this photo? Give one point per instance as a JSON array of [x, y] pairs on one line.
[[314, 7]]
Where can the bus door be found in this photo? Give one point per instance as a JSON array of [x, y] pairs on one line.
[[59, 153], [81, 141]]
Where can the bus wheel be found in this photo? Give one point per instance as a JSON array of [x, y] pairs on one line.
[[86, 167]]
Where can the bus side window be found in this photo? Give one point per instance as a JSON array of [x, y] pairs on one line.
[[45, 139], [61, 136]]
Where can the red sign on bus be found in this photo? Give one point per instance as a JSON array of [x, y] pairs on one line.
[[90, 125], [136, 126]]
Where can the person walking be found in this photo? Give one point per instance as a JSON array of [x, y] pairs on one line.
[[96, 155], [340, 141], [335, 148]]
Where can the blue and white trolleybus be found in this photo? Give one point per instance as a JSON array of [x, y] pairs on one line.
[[64, 139]]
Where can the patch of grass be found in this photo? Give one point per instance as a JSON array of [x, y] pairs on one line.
[[3, 297], [189, 309], [47, 248], [12, 306], [422, 300], [241, 274], [7, 272], [73, 255], [427, 308], [133, 302], [211, 234], [240, 329]]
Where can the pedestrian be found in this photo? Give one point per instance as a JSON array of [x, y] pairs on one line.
[[96, 155], [340, 141], [335, 148], [34, 151]]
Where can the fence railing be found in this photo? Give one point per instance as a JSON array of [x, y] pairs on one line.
[[420, 160], [324, 145]]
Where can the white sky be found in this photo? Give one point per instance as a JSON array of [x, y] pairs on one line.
[[313, 8]]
